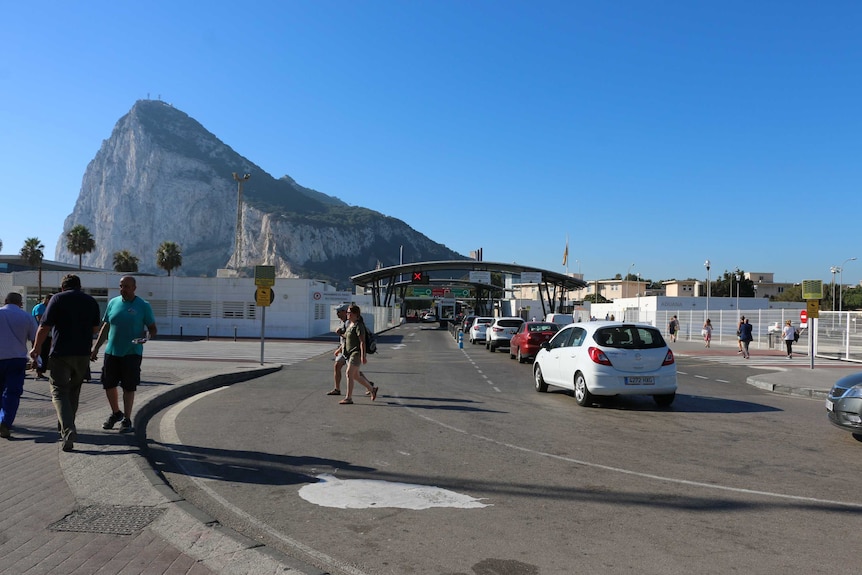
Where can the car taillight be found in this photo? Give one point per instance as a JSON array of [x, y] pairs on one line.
[[598, 356], [668, 359], [496, 329]]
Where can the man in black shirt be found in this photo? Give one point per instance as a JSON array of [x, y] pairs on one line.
[[72, 318]]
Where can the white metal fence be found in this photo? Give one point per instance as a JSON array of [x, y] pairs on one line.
[[836, 336]]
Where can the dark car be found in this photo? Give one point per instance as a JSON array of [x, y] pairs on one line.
[[844, 404], [528, 339]]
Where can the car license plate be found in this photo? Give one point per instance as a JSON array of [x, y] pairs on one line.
[[829, 406], [640, 380]]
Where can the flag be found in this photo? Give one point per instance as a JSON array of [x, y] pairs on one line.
[[566, 253]]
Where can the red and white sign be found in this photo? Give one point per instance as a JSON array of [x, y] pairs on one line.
[[803, 318]]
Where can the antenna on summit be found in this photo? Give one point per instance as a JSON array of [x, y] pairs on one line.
[[238, 242]]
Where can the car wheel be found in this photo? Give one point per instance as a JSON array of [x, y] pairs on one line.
[[491, 346], [582, 394], [511, 353], [664, 399], [541, 386], [521, 358]]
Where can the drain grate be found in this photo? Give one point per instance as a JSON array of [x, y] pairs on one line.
[[110, 520]]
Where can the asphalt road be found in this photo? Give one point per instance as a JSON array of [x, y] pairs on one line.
[[730, 479]]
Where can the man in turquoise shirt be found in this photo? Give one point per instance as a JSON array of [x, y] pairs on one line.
[[127, 323]]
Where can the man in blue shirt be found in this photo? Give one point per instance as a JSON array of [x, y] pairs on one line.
[[127, 323], [16, 329], [72, 318]]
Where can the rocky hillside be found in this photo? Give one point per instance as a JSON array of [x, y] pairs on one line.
[[162, 176]]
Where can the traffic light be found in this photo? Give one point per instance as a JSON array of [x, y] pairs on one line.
[[419, 278]]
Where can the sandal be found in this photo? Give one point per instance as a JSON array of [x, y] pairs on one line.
[[368, 392], [346, 401], [373, 393], [334, 392]]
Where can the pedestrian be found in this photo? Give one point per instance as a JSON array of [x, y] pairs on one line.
[[673, 328], [17, 327], [72, 318], [707, 332], [354, 345], [739, 332], [41, 362], [128, 322], [789, 337], [745, 337], [340, 358]]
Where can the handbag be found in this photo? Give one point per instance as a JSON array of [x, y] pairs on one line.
[[795, 335]]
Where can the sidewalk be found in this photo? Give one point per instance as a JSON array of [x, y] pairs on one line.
[[101, 509], [781, 375]]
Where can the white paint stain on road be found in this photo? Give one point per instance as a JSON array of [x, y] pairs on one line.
[[330, 491]]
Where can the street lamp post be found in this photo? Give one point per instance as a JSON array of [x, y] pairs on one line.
[[639, 297], [841, 281], [833, 270], [738, 278], [706, 264]]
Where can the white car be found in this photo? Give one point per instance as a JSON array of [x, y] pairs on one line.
[[499, 333], [476, 333], [607, 358]]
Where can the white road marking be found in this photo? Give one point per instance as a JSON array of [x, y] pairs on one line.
[[368, 493], [630, 472]]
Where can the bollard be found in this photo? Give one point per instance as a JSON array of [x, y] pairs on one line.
[[181, 333], [460, 339], [208, 333], [234, 333]]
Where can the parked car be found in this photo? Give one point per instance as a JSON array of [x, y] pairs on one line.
[[560, 319], [501, 331], [478, 328], [527, 340], [844, 404], [607, 358], [466, 323], [429, 317]]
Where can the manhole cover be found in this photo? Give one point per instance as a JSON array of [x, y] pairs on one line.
[[111, 520]]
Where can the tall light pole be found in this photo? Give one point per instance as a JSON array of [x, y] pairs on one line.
[[738, 278], [841, 281], [238, 242], [706, 265], [639, 297], [833, 270]]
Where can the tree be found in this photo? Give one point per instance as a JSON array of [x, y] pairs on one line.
[[33, 252], [169, 256], [80, 241], [124, 261]]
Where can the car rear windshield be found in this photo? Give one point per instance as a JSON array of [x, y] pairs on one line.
[[544, 327], [629, 337], [509, 322]]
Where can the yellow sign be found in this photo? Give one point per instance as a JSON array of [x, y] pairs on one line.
[[264, 296], [812, 289], [264, 276], [813, 308]]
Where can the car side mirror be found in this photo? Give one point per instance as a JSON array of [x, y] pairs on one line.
[[545, 345]]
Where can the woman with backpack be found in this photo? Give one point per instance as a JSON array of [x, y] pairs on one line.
[[790, 335], [355, 352]]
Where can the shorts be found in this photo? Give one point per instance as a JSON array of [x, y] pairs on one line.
[[122, 370], [355, 358]]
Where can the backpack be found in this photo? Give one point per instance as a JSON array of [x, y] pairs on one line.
[[370, 342]]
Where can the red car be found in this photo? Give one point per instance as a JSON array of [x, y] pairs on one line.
[[526, 341]]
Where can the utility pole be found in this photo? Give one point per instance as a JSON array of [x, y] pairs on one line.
[[238, 242]]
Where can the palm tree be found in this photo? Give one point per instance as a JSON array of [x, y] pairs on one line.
[[169, 256], [124, 261], [80, 241], [33, 252]]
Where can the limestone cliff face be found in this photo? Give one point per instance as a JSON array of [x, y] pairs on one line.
[[162, 177]]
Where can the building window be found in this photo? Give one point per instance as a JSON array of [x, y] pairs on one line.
[[194, 308]]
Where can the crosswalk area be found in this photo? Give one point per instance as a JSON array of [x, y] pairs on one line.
[[278, 352], [756, 360]]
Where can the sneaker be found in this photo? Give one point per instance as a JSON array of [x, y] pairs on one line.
[[112, 420], [4, 431], [126, 426]]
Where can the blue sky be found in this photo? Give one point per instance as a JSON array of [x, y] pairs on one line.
[[658, 134]]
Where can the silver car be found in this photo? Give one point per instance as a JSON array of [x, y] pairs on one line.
[[844, 404], [476, 333], [499, 333]]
